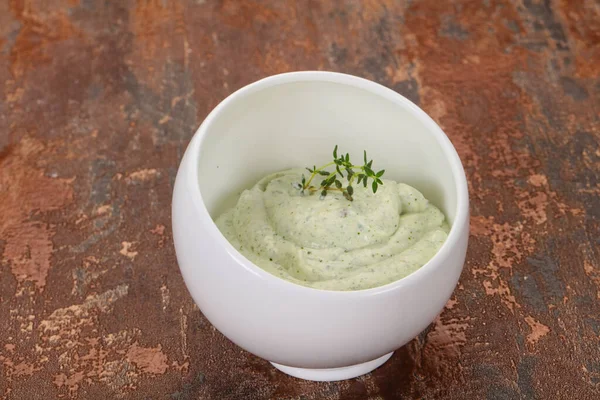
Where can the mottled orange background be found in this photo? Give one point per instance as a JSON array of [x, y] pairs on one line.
[[98, 100]]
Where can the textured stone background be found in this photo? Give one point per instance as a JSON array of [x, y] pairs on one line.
[[98, 100]]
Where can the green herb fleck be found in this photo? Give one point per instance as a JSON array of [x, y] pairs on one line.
[[362, 174]]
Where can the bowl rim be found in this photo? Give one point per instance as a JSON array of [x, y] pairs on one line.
[[462, 197]]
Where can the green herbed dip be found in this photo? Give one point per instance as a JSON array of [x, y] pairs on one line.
[[331, 243]]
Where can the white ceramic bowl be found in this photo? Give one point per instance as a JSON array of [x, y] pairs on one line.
[[295, 120]]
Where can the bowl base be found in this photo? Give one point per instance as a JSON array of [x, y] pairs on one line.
[[334, 374]]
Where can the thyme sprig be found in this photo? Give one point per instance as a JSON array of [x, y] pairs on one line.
[[331, 181]]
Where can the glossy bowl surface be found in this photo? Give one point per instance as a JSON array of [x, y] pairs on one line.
[[292, 120]]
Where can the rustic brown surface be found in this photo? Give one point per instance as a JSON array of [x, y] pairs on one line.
[[98, 100]]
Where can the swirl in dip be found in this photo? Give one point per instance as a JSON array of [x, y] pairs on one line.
[[333, 243]]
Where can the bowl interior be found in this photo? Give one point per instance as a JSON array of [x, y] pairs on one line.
[[286, 123]]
